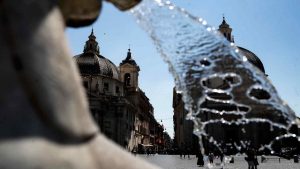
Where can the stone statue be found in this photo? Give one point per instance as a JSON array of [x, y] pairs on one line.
[[44, 116]]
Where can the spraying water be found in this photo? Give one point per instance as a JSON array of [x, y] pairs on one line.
[[229, 100]]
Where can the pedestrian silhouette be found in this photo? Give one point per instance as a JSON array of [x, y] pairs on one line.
[[200, 161], [221, 157], [211, 157], [251, 159]]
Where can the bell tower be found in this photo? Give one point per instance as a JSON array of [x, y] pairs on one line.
[[225, 29], [129, 71]]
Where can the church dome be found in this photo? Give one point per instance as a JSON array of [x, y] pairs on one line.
[[252, 58], [225, 30], [92, 63]]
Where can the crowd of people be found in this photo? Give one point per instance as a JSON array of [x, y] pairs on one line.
[[211, 157], [251, 158]]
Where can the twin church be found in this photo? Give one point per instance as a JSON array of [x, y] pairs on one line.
[[124, 113], [119, 106]]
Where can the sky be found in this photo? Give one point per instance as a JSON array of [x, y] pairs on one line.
[[268, 28]]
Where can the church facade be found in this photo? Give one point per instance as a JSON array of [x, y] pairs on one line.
[[183, 128], [119, 107]]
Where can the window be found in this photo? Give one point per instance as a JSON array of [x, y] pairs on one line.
[[127, 79], [117, 89], [106, 87]]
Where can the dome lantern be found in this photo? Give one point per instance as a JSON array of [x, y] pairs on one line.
[[225, 29], [91, 45]]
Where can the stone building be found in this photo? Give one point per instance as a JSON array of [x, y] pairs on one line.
[[183, 137], [184, 129], [232, 133], [120, 108], [144, 118], [159, 137], [168, 143]]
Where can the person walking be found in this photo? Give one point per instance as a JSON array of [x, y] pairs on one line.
[[251, 159], [188, 152], [200, 161], [221, 157], [255, 159], [180, 153], [134, 151], [184, 153], [211, 157]]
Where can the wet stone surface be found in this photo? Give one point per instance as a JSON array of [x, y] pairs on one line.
[[175, 162]]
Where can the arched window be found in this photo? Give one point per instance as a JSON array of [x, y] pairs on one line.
[[106, 87], [127, 79]]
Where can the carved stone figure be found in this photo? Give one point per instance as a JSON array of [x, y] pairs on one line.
[[44, 116]]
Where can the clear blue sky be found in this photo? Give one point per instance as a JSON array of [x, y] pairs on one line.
[[269, 28]]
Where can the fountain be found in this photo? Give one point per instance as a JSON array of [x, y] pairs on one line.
[[229, 100]]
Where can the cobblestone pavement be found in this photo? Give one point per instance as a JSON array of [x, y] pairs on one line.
[[175, 162]]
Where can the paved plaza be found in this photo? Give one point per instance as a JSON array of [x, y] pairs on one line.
[[175, 162]]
